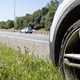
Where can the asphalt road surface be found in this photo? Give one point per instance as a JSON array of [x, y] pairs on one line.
[[37, 44]]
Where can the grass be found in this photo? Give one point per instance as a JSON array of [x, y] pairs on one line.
[[17, 66]]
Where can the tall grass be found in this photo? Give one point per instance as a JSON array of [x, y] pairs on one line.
[[17, 66]]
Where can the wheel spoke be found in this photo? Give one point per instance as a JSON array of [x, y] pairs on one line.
[[68, 63], [72, 56]]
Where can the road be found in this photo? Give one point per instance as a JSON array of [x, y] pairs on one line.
[[37, 44], [22, 36]]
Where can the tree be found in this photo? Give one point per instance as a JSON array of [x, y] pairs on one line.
[[44, 11], [50, 15], [19, 23], [3, 25], [36, 19], [9, 24], [28, 19]]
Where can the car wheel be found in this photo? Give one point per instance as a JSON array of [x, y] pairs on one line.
[[69, 59]]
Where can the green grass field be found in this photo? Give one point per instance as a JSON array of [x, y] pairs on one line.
[[17, 66]]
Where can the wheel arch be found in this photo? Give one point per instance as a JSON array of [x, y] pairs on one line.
[[70, 16]]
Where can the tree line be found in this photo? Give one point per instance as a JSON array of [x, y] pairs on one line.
[[41, 18]]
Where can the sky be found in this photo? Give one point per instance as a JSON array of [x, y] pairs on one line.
[[22, 7]]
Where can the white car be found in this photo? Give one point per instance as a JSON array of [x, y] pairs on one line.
[[65, 38], [26, 30]]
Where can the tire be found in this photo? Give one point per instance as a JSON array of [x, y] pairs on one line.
[[69, 61]]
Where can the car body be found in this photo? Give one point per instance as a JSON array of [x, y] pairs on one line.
[[65, 24], [26, 30]]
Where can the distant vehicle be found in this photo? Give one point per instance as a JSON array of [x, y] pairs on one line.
[[26, 30]]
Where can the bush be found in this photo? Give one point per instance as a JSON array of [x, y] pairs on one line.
[[17, 66]]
